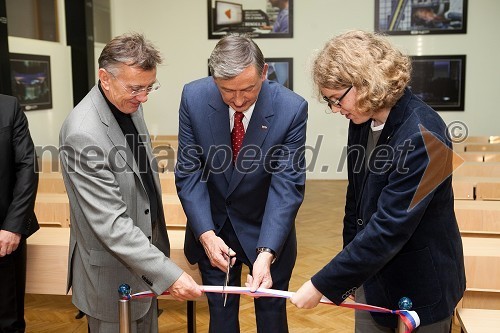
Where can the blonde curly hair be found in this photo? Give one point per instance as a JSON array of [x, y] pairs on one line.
[[367, 61]]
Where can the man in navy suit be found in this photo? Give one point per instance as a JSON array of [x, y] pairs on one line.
[[243, 208]]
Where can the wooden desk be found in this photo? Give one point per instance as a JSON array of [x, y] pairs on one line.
[[479, 320], [47, 261]]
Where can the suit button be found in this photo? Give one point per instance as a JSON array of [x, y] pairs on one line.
[[228, 203], [146, 211], [360, 221]]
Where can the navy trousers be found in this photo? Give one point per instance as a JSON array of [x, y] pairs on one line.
[[270, 312]]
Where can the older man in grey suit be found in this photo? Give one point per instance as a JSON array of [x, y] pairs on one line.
[[118, 232]]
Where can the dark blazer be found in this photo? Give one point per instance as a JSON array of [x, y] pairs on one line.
[[392, 246], [261, 194], [17, 170]]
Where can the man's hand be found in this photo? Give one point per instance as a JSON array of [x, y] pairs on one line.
[[307, 297], [261, 273], [216, 250], [8, 242], [185, 288]]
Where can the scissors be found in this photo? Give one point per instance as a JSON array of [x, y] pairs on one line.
[[226, 281]]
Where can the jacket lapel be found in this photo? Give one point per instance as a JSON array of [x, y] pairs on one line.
[[219, 126], [140, 125], [115, 133], [394, 120]]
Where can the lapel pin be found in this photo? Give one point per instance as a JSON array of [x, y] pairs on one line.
[[264, 127]]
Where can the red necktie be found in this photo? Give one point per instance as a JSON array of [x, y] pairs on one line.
[[237, 134]]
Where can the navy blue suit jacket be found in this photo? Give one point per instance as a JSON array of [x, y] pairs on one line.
[[263, 191], [396, 246]]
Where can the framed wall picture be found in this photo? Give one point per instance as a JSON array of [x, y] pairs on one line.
[[280, 70], [414, 17], [258, 18], [31, 81], [439, 81]]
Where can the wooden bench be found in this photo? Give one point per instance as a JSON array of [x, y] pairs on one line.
[[476, 298], [494, 139], [463, 188], [54, 207], [478, 169], [51, 182], [488, 147], [482, 269], [468, 157], [478, 217], [482, 262], [47, 264], [479, 321], [47, 260], [491, 157], [460, 146], [488, 190]]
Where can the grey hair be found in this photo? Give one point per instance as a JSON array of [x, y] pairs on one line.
[[131, 49], [233, 54]]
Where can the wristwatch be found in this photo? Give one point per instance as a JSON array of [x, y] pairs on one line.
[[268, 250]]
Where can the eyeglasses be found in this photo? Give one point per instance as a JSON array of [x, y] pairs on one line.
[[135, 92], [336, 103]]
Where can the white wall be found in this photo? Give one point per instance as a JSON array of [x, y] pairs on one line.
[[45, 124], [179, 29]]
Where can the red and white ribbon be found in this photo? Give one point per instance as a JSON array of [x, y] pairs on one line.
[[409, 318]]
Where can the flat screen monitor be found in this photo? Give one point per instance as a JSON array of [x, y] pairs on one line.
[[439, 81], [227, 14]]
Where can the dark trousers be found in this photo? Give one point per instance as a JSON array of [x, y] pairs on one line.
[[270, 312], [12, 288]]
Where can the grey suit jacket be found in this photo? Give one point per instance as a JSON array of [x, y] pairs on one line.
[[111, 235]]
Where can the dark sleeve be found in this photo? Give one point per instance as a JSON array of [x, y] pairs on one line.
[[349, 230], [20, 215]]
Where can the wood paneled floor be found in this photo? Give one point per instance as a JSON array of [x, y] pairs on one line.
[[319, 233]]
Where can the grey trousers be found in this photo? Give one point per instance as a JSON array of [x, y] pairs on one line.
[[364, 322], [146, 324]]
